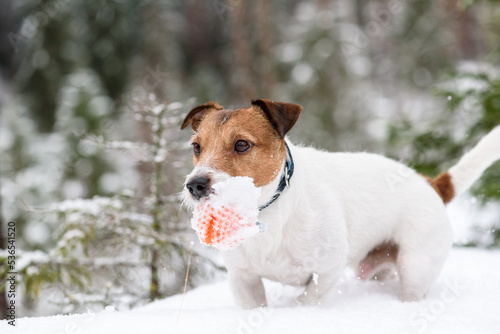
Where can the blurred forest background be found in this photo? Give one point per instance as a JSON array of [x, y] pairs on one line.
[[92, 94]]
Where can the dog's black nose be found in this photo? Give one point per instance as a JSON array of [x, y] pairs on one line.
[[198, 187]]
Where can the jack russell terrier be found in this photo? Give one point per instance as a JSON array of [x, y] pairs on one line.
[[325, 211]]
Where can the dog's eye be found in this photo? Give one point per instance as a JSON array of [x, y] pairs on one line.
[[196, 148], [242, 146]]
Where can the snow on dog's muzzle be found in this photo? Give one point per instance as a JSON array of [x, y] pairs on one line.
[[228, 216]]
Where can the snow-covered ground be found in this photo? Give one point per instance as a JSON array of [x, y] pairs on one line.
[[466, 299]]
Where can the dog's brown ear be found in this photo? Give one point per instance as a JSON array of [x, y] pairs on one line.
[[194, 117], [282, 116]]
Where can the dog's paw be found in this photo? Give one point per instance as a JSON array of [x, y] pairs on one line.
[[306, 299], [410, 295]]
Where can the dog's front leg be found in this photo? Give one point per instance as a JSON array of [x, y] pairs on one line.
[[317, 287], [248, 289]]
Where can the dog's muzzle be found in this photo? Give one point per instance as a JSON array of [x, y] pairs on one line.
[[198, 187], [199, 184]]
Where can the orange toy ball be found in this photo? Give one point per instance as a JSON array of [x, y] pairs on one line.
[[221, 227], [228, 217]]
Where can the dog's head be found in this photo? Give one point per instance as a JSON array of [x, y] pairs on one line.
[[241, 142]]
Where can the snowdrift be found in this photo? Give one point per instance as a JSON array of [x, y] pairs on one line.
[[466, 299]]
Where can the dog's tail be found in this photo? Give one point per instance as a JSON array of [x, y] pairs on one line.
[[461, 176]]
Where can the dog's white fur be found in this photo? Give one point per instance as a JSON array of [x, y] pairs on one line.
[[338, 207]]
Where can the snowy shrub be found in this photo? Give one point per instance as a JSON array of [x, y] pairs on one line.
[[126, 249]]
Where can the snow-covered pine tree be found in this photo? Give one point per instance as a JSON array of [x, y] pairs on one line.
[[125, 249]]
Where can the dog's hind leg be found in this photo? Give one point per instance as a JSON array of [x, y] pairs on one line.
[[420, 259]]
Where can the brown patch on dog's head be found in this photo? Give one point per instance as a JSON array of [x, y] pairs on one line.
[[196, 115], [282, 116], [443, 186], [243, 142]]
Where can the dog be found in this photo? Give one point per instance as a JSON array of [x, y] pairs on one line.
[[325, 211]]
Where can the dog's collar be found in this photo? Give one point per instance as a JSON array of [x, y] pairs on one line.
[[285, 179]]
